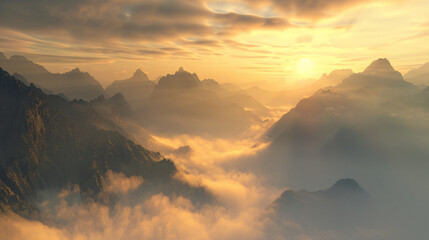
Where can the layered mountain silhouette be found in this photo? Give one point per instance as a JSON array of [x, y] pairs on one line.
[[48, 143], [340, 131], [379, 81], [136, 89], [239, 97], [293, 96], [74, 84], [180, 105]]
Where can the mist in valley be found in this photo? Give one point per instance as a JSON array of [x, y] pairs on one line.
[[178, 119]]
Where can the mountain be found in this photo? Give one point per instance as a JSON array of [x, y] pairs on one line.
[[76, 85], [304, 122], [180, 105], [351, 129], [136, 89], [333, 78], [20, 64], [291, 97], [73, 84], [379, 81], [117, 110], [345, 208], [48, 143], [180, 80], [239, 97], [419, 76]]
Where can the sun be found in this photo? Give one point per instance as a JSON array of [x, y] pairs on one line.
[[305, 67]]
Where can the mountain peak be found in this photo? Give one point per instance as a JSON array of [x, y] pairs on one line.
[[75, 70], [181, 79], [181, 69], [140, 75], [346, 184], [18, 58], [2, 57], [378, 66]]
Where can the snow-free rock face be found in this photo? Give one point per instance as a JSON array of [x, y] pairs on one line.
[[47, 143]]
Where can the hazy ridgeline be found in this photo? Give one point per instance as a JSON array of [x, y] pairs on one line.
[[184, 158]]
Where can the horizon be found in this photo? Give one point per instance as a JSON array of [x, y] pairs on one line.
[[245, 41], [305, 82], [214, 119]]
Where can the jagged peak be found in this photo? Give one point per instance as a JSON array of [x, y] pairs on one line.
[[75, 70], [18, 58], [210, 81], [379, 65], [181, 69], [140, 75]]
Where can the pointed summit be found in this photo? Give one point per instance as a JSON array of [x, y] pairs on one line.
[[382, 65], [139, 75], [2, 57], [181, 69]]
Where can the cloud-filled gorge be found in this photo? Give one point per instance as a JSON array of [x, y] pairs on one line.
[[237, 119]]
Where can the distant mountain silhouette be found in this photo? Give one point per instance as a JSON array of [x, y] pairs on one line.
[[333, 78], [293, 96], [379, 81], [180, 105], [73, 84], [419, 76], [21, 65], [180, 80], [344, 207], [239, 97], [136, 89], [47, 143], [351, 129]]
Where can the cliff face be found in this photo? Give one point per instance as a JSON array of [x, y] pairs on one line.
[[47, 143]]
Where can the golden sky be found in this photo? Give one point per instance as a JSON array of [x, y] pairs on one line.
[[237, 41]]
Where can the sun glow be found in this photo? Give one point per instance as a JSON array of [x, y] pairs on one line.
[[305, 67]]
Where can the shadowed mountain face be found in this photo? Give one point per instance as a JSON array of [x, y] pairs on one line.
[[74, 84], [179, 105], [136, 89], [342, 130], [342, 206], [372, 127], [343, 210], [48, 143]]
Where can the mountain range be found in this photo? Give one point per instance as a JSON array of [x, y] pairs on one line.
[[74, 84], [180, 105], [49, 143]]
